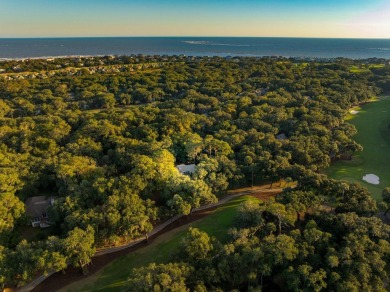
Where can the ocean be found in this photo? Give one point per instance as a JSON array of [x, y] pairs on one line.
[[195, 46]]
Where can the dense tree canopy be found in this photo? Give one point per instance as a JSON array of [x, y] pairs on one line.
[[324, 252], [104, 134]]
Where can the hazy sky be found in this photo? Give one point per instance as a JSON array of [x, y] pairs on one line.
[[289, 18]]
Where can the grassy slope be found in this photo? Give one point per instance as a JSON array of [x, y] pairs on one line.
[[374, 135], [113, 276]]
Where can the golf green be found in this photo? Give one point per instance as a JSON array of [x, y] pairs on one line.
[[372, 121]]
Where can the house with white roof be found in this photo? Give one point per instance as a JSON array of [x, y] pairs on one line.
[[187, 169]]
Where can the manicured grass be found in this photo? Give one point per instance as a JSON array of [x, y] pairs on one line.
[[357, 69], [364, 68], [113, 276], [372, 123]]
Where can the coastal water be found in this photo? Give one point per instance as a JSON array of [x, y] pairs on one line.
[[199, 46]]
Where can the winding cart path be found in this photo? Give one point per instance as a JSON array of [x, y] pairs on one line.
[[56, 280]]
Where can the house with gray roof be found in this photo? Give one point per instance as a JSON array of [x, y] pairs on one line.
[[36, 209], [281, 136]]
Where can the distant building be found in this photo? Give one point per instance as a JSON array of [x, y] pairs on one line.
[[36, 209], [186, 169], [281, 136], [260, 91]]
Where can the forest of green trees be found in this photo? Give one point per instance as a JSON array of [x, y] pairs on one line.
[[106, 144]]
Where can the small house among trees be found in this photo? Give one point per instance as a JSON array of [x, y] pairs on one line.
[[281, 136], [186, 169], [36, 209]]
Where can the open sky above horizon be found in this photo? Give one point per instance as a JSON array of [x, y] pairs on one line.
[[262, 18]]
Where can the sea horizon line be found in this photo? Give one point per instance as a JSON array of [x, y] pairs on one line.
[[175, 36]]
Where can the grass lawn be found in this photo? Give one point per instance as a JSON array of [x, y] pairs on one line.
[[114, 275], [372, 123], [357, 69], [364, 68]]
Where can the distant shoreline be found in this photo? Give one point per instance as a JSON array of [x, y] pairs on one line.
[[309, 59], [51, 57], [316, 48], [192, 37]]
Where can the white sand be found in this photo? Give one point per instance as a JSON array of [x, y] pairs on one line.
[[354, 112], [371, 178]]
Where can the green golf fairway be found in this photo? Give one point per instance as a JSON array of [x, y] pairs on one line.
[[372, 122], [113, 276]]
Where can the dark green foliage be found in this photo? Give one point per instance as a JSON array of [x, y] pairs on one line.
[[170, 277], [386, 199], [104, 135], [326, 252]]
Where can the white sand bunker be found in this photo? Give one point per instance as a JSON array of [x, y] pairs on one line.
[[371, 178], [354, 112]]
